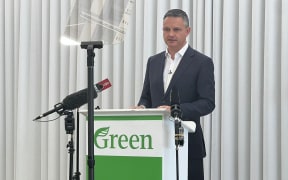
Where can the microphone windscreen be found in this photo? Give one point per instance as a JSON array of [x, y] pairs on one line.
[[174, 96], [77, 99]]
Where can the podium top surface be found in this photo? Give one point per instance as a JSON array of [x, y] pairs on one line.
[[148, 111], [189, 125]]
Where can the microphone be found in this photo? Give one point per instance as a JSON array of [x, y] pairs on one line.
[[175, 103], [177, 114], [76, 99]]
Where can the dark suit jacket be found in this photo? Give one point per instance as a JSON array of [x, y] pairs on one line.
[[194, 79]]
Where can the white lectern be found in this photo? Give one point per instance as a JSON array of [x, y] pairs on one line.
[[132, 144]]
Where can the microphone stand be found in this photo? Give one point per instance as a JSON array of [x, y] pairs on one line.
[[176, 124], [179, 141], [90, 65], [179, 137], [77, 173], [69, 127]]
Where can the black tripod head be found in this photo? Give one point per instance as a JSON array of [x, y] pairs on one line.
[[69, 121]]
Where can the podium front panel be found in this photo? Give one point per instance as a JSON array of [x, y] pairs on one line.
[[128, 147], [133, 145]]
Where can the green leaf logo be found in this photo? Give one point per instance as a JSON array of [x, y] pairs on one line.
[[102, 132]]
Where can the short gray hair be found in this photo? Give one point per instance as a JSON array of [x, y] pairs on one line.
[[178, 13]]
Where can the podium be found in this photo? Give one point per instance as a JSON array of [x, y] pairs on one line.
[[132, 144]]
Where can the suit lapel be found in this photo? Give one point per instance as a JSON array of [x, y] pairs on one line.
[[162, 64], [183, 65]]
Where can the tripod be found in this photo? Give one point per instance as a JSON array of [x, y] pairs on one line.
[[70, 127]]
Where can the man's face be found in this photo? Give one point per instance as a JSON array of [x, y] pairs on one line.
[[175, 33]]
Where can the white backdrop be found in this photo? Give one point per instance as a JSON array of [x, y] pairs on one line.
[[246, 135]]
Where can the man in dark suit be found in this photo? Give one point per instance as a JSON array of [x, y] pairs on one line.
[[192, 73]]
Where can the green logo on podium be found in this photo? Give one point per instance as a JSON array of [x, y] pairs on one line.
[[104, 140]]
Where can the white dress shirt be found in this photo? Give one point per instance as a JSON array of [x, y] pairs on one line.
[[171, 65]]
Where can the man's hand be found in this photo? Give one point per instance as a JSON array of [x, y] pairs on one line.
[[168, 108]]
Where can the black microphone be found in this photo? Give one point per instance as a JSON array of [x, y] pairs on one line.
[[177, 114], [175, 103], [76, 99]]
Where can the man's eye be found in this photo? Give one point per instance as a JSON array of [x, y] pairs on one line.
[[176, 29], [166, 29]]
